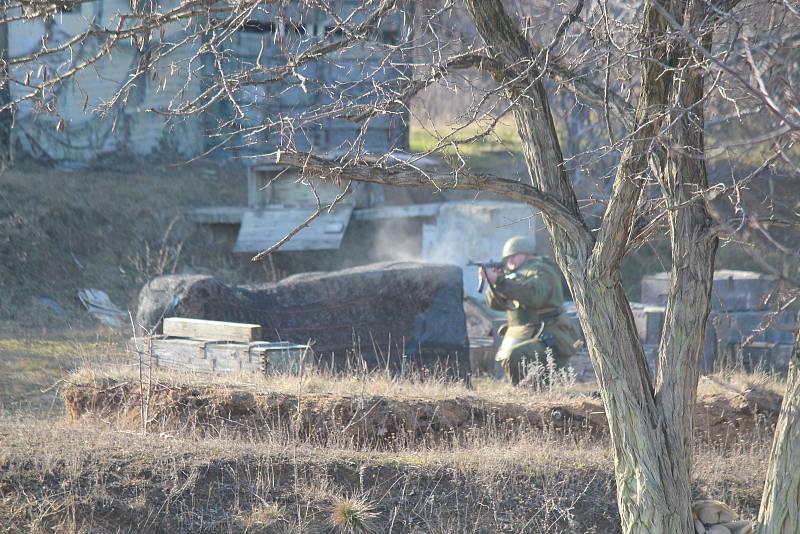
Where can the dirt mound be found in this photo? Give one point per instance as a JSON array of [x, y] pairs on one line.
[[320, 417], [724, 413]]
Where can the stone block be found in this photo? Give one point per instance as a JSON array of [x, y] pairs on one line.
[[733, 290], [224, 365], [757, 326], [582, 365], [655, 288], [482, 350], [651, 357], [765, 356], [742, 290], [649, 321], [202, 366], [285, 358], [584, 371]]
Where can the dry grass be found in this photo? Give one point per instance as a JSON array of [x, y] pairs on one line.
[[352, 515], [88, 477], [319, 382], [183, 485], [264, 516], [373, 409], [30, 365], [120, 366], [78, 477]]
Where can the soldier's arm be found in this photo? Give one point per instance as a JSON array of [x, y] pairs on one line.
[[495, 300], [530, 287]]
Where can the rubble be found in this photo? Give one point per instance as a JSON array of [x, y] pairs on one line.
[[716, 517], [99, 306], [733, 290], [745, 327]]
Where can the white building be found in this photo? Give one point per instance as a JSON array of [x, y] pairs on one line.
[[134, 124]]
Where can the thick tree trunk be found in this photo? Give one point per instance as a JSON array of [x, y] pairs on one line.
[[780, 503], [649, 428], [652, 480], [693, 246]]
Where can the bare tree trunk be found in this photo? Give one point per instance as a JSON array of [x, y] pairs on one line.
[[652, 481], [5, 98], [780, 503], [650, 428], [693, 245]]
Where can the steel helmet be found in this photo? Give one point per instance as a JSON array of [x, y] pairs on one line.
[[519, 245]]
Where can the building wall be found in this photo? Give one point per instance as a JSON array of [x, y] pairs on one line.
[[88, 134], [91, 132]]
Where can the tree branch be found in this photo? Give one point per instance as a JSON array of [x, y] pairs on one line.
[[617, 225], [401, 174]]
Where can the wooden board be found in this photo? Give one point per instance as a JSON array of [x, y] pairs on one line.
[[263, 228], [211, 330]]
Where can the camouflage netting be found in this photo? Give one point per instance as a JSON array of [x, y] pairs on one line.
[[377, 312]]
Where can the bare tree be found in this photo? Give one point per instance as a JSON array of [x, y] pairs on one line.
[[650, 72], [5, 100]]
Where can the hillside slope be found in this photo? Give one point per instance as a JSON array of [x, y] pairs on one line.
[[62, 230]]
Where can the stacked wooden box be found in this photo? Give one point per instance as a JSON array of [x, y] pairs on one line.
[[220, 347]]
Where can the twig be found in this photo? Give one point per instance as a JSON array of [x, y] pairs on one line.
[[296, 229]]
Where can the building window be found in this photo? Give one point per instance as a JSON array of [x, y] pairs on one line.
[[257, 26]]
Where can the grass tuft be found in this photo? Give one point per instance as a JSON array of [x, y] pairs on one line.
[[353, 516]]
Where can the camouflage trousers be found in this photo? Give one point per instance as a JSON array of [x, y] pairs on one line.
[[518, 356]]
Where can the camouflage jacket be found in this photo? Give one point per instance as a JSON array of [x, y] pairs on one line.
[[530, 294]]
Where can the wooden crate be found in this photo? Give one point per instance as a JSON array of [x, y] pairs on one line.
[[199, 355]]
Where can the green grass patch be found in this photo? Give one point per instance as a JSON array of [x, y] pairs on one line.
[[499, 151], [503, 137]]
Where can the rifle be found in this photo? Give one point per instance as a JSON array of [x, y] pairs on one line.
[[484, 266]]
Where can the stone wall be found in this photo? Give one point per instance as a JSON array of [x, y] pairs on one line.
[[745, 327]]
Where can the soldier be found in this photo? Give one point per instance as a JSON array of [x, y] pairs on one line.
[[529, 289]]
